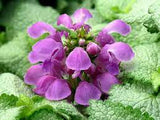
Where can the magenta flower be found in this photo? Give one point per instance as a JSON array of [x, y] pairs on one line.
[[93, 48], [117, 26], [78, 67], [80, 16], [112, 54], [45, 49], [48, 85], [86, 91], [78, 59], [105, 81], [39, 28]]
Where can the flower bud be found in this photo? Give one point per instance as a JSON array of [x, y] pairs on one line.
[[82, 42], [65, 48], [93, 48]]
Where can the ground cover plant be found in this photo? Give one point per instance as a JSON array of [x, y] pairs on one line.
[[79, 60]]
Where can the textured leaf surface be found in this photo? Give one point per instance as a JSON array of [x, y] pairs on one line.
[[44, 114], [154, 10], [18, 15], [8, 111], [63, 108], [11, 84], [139, 35], [139, 13], [110, 9], [13, 55], [96, 19], [138, 96], [156, 80], [146, 62], [107, 110], [36, 108]]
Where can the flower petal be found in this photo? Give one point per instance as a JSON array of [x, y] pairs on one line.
[[103, 57], [43, 84], [44, 49], [58, 90], [86, 91], [104, 38], [39, 28], [34, 73], [113, 68], [117, 26], [121, 51], [93, 48], [78, 59], [65, 20], [105, 81], [53, 67], [82, 15]]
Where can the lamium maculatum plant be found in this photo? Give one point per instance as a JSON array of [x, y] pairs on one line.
[[74, 64]]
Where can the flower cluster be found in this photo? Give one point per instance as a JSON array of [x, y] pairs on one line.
[[71, 62]]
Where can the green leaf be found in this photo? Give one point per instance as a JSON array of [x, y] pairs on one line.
[[11, 84], [2, 38], [62, 108], [87, 4], [151, 26], [20, 14], [36, 108], [45, 114], [154, 11], [8, 111], [139, 35], [145, 62], [110, 9], [137, 95], [7, 101], [107, 110], [96, 19], [13, 55], [156, 80], [0, 5], [138, 13]]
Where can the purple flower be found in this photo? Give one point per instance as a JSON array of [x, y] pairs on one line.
[[79, 65], [93, 48], [58, 90], [47, 85], [78, 60], [65, 20], [80, 16], [39, 28], [104, 39], [111, 55], [117, 26], [45, 49], [86, 91], [105, 81], [33, 74]]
